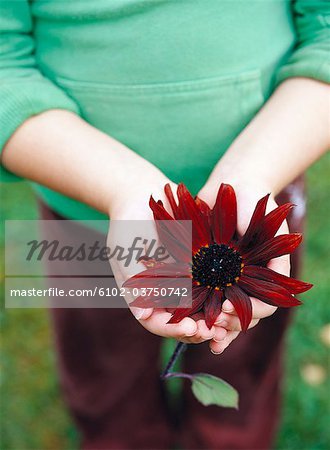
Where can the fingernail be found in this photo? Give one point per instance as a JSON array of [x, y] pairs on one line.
[[190, 334], [216, 353], [137, 312], [222, 322], [227, 307], [219, 339]]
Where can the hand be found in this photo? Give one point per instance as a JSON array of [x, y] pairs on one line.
[[129, 207], [247, 197]]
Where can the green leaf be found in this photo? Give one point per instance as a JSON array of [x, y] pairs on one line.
[[211, 390]]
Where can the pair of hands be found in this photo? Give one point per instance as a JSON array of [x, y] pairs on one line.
[[132, 204]]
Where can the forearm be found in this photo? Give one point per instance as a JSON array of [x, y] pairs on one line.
[[63, 152], [289, 133]]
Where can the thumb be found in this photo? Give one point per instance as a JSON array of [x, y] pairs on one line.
[[141, 313]]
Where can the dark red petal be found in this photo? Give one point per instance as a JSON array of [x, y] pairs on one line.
[[175, 227], [224, 214], [196, 292], [203, 206], [273, 248], [172, 270], [205, 212], [190, 211], [180, 313], [198, 315], [199, 296], [151, 301], [150, 283], [270, 293], [174, 235], [158, 210], [263, 273], [242, 304], [149, 262], [177, 245], [212, 307], [269, 226], [142, 302], [154, 299], [172, 202], [274, 220], [257, 217], [141, 279], [178, 230]]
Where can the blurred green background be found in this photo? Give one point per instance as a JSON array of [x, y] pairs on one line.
[[34, 416]]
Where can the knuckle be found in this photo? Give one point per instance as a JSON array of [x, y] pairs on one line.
[[206, 336]]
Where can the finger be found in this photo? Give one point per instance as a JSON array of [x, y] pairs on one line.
[[231, 322], [141, 313], [123, 273], [228, 307], [120, 278], [157, 324], [218, 347], [203, 333], [220, 334], [280, 265], [284, 228], [260, 310]]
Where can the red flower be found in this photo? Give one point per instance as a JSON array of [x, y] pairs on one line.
[[221, 264]]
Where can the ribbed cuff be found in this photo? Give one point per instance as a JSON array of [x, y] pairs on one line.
[[22, 99]]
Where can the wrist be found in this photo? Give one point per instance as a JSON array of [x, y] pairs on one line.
[[136, 188], [243, 184]]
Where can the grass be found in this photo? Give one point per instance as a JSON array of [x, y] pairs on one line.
[[34, 416]]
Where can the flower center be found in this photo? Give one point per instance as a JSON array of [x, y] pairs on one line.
[[216, 266]]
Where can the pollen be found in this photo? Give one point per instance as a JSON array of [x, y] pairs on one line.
[[216, 266]]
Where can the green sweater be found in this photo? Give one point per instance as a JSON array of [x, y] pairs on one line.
[[176, 81]]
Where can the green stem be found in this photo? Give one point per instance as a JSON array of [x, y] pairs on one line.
[[179, 349]]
